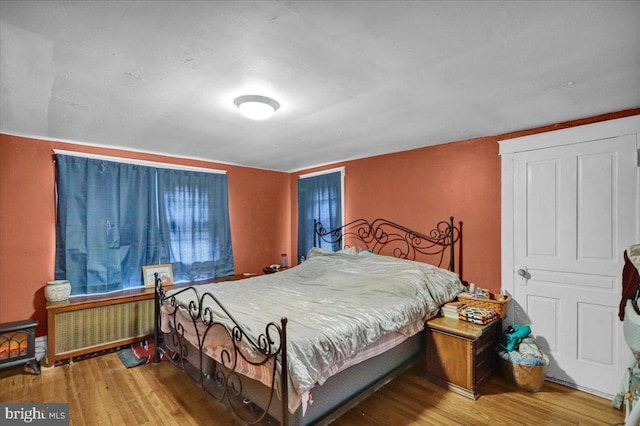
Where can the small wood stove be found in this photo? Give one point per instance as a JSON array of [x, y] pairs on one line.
[[18, 344]]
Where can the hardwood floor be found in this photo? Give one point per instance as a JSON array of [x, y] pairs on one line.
[[101, 391]]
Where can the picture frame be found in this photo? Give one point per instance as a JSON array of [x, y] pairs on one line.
[[165, 272]]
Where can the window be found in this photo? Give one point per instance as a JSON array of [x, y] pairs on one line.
[[320, 197], [115, 217], [194, 220]]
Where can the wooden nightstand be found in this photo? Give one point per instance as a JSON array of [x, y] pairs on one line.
[[460, 355]]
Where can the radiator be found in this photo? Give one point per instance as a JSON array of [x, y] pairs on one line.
[[85, 327]]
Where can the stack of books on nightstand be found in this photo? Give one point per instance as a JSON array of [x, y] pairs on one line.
[[452, 309]]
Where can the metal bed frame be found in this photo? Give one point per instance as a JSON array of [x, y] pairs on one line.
[[383, 236], [223, 381]]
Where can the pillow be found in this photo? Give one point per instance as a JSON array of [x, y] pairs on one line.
[[316, 251], [366, 253], [349, 250]]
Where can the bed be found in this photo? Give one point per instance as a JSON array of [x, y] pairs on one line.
[[304, 345]]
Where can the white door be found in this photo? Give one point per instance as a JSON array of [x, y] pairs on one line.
[[574, 213]]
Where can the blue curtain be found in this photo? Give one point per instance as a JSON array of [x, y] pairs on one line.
[[106, 228], [320, 198], [114, 218], [194, 222]]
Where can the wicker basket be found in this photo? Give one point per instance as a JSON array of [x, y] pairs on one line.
[[499, 306], [527, 377]]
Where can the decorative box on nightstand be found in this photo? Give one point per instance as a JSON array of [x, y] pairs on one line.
[[460, 355]]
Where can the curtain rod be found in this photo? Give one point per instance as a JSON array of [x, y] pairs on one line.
[[140, 162]]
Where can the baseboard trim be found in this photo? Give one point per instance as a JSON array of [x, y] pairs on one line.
[[581, 388]]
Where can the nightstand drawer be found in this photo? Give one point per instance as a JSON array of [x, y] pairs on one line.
[[485, 366], [487, 341]]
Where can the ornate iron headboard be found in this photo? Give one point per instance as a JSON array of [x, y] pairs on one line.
[[399, 241]]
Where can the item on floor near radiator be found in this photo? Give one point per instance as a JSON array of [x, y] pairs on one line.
[[478, 315], [129, 359], [57, 291], [139, 354]]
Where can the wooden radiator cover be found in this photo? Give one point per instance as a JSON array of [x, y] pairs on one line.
[[91, 324]]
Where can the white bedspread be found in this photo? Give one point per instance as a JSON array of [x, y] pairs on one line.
[[336, 305]]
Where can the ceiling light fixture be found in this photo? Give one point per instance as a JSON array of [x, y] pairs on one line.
[[256, 107]]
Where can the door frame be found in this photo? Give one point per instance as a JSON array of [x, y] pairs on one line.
[[510, 147]]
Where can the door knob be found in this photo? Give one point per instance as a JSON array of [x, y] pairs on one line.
[[524, 275]]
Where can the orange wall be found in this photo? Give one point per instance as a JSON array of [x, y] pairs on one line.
[[420, 187], [259, 214]]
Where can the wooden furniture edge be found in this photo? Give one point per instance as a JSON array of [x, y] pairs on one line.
[[457, 327]]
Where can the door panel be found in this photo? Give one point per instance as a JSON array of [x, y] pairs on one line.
[[548, 308], [542, 208], [597, 323], [573, 217], [597, 219]]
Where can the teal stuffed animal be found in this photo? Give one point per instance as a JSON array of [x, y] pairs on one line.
[[514, 335]]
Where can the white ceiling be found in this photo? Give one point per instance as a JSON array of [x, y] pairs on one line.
[[354, 79]]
